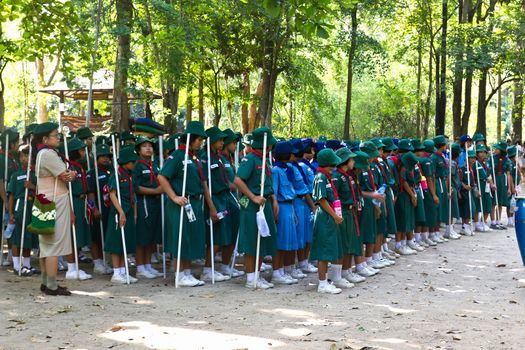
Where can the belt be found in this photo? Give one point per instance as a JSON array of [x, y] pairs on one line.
[[287, 201], [222, 191], [196, 196], [349, 207], [30, 198], [81, 196], [301, 196]]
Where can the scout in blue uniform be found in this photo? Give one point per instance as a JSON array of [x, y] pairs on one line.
[[515, 173], [16, 191], [500, 166], [441, 172], [450, 233], [77, 152], [248, 181], [227, 156], [283, 178], [326, 243], [221, 196], [484, 181], [149, 232], [468, 194], [123, 214], [104, 172], [171, 178]]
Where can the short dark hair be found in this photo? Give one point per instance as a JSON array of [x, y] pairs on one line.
[[280, 157]]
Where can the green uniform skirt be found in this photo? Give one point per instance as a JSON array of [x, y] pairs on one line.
[[351, 242], [419, 210], [455, 204], [81, 224], [391, 227], [405, 213], [222, 230], [441, 190], [381, 222], [149, 230], [248, 231], [327, 241], [367, 222], [430, 210], [486, 200], [464, 206], [30, 240], [501, 183], [113, 238], [193, 245]]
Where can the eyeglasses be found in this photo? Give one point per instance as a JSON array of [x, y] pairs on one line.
[[54, 135]]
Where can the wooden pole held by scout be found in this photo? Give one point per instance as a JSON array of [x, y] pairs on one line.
[[184, 178], [65, 131], [263, 174], [87, 159], [450, 221], [6, 152], [467, 164], [495, 185], [480, 194], [117, 185], [161, 163], [99, 201], [212, 257], [24, 213]]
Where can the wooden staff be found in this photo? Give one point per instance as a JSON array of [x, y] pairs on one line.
[[450, 221], [161, 162], [480, 196], [263, 174], [24, 214], [122, 234], [184, 178], [468, 182], [495, 185], [6, 150], [208, 150]]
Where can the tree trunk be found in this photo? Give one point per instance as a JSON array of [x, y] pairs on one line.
[[481, 126], [418, 86], [245, 99], [498, 119], [517, 111], [426, 117], [254, 116], [189, 103], [441, 103], [120, 108], [201, 96], [2, 102], [457, 87], [468, 12], [350, 74], [41, 98], [172, 102]]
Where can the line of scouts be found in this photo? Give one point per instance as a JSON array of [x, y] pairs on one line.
[[330, 203]]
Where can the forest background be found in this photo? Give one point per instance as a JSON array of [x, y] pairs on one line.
[[340, 68]]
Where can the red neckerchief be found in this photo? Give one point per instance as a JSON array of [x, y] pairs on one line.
[[442, 157], [83, 178], [152, 176], [473, 182], [385, 160], [460, 172], [221, 166], [13, 160], [382, 170], [195, 159], [500, 165], [227, 156], [371, 176], [485, 167], [350, 180], [325, 173], [268, 172], [127, 178]]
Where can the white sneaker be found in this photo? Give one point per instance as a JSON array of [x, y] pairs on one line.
[[281, 279], [365, 272], [154, 272], [309, 268], [228, 271], [269, 284], [423, 244], [62, 265], [355, 278], [146, 274], [119, 278], [102, 270], [257, 285], [343, 283], [82, 275], [199, 282], [429, 241], [219, 277], [265, 267], [188, 281], [414, 246], [290, 278], [328, 289], [297, 274], [388, 261], [437, 238], [154, 258], [376, 264], [486, 228]]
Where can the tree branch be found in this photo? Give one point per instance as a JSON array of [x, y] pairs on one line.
[[502, 82], [55, 69]]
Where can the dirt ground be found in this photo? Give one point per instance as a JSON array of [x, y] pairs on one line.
[[464, 294]]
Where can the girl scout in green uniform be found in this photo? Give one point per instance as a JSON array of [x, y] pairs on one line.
[[248, 181], [77, 152], [485, 185], [222, 234], [104, 172], [148, 207], [500, 166], [391, 156], [16, 191], [469, 192], [455, 185], [441, 171], [123, 214], [232, 219], [431, 199], [171, 177], [326, 242], [413, 239], [516, 179]]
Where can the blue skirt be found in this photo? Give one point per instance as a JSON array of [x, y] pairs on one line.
[[286, 228], [304, 226]]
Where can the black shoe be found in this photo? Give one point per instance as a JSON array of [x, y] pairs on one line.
[[59, 291], [43, 287], [84, 260], [25, 272]]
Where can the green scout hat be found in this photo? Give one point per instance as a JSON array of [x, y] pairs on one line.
[[30, 129], [481, 148], [389, 144], [142, 139], [456, 149], [195, 128], [45, 128], [418, 145], [409, 160], [258, 138], [501, 145], [361, 160], [327, 157], [215, 134], [240, 138], [84, 133], [127, 135], [102, 140], [440, 140], [378, 142], [103, 150], [370, 148], [405, 145], [12, 133], [127, 154], [171, 142], [230, 136], [345, 154], [247, 139], [478, 137], [429, 146], [511, 151], [75, 144], [472, 154]]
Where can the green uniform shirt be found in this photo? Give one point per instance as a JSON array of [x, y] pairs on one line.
[[322, 188], [230, 169], [142, 174], [16, 183], [440, 168], [501, 166], [103, 179], [76, 186], [173, 170], [342, 186], [219, 177], [250, 170], [13, 164], [365, 182], [127, 189]]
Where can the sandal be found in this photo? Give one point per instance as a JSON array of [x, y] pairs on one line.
[[25, 272]]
